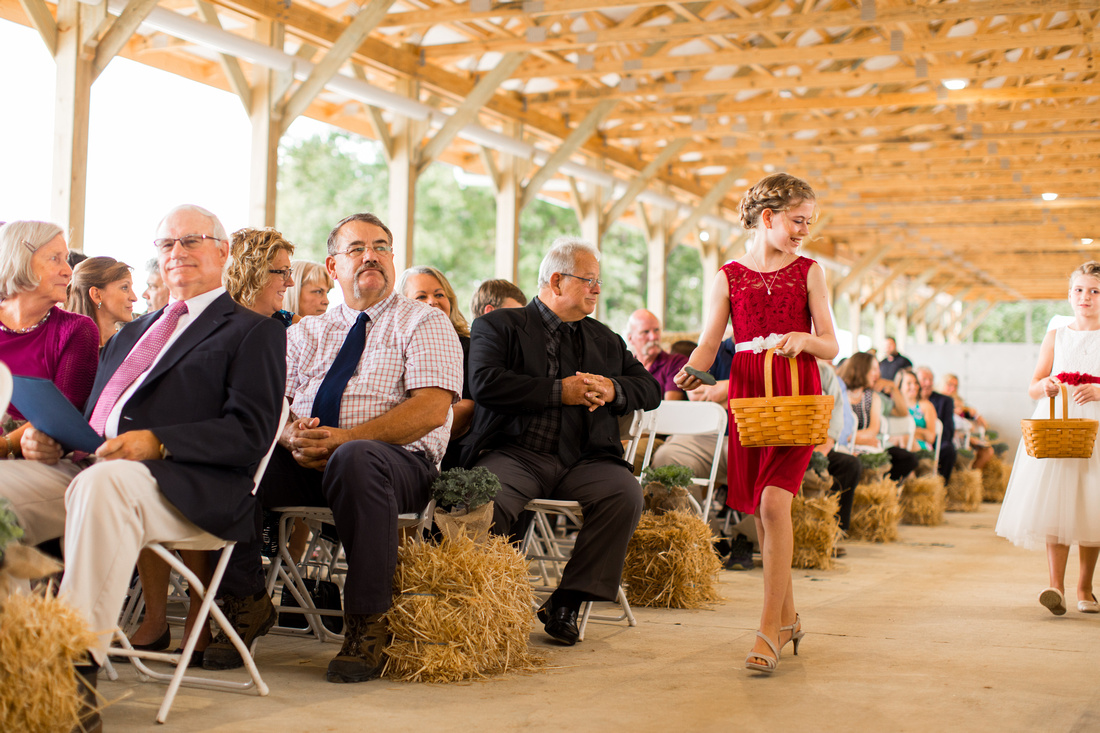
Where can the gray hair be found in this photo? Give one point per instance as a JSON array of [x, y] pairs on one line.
[[152, 266], [215, 222], [19, 240], [562, 257]]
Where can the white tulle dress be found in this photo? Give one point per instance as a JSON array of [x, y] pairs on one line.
[[1057, 499]]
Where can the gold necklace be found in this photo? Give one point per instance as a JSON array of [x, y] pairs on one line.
[[761, 275]]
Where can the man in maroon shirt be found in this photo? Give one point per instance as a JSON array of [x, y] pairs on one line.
[[643, 334]]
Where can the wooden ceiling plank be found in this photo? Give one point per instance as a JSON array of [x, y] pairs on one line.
[[872, 258]]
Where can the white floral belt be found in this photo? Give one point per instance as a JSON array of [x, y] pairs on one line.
[[759, 344]]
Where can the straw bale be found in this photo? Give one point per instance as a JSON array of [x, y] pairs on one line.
[[875, 511], [41, 639], [671, 562], [923, 500], [994, 480], [925, 466], [964, 491], [462, 611], [816, 530]]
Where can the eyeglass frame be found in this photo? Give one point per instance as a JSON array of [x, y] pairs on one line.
[[172, 242], [286, 272], [378, 249], [590, 282]]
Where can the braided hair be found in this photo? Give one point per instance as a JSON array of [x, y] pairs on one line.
[[778, 192], [1090, 268]]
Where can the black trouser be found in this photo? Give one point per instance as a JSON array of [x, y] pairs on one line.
[[845, 470], [366, 483], [947, 460], [902, 463]]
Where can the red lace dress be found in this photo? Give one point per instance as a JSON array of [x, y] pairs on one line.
[[753, 313]]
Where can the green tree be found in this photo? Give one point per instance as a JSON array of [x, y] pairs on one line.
[[1008, 321]]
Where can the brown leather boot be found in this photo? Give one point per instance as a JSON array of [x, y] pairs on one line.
[[361, 657]]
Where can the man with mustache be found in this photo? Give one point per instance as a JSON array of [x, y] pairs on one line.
[[643, 334], [371, 383]]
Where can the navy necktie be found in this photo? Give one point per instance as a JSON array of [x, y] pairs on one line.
[[326, 405], [571, 439]]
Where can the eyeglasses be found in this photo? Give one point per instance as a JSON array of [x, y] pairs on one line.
[[591, 282], [378, 249], [285, 273], [189, 242]]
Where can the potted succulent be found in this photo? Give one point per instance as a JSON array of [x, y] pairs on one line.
[[665, 488], [464, 499]]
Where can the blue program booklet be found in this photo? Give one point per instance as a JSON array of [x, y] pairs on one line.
[[42, 403]]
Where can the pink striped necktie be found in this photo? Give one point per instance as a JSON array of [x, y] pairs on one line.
[[135, 364]]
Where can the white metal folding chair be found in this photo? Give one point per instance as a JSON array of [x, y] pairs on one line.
[[287, 571], [549, 548], [680, 417], [6, 387], [895, 427], [207, 609], [939, 441]]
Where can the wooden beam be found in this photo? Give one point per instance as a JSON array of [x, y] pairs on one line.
[[381, 131], [939, 312], [903, 302], [970, 327], [39, 16], [865, 263], [569, 145], [641, 182], [705, 206], [132, 16], [230, 65], [847, 18], [881, 289], [346, 45], [491, 169], [468, 111]]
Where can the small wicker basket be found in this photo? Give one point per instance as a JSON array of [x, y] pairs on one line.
[[773, 421], [1062, 438]]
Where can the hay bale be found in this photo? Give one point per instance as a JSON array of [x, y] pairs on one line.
[[925, 466], [41, 640], [964, 491], [671, 562], [923, 500], [994, 480], [462, 611], [875, 511], [816, 530]]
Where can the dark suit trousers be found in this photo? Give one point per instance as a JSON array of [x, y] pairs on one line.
[[845, 470], [610, 498], [366, 483]]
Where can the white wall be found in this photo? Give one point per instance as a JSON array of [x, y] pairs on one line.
[[992, 377]]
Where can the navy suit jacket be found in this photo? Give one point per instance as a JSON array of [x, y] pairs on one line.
[[214, 400], [509, 384]]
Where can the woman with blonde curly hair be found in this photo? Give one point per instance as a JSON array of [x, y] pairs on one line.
[[258, 272], [775, 299], [102, 288]]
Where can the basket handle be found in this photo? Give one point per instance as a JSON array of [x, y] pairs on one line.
[[1065, 402], [794, 377]]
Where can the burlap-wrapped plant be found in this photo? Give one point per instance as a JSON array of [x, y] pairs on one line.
[[665, 489], [41, 641], [462, 608], [816, 529], [923, 500], [671, 562], [875, 511], [875, 466], [925, 464], [964, 459], [816, 481], [964, 491], [994, 480]]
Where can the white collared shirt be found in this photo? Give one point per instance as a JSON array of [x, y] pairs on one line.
[[195, 307]]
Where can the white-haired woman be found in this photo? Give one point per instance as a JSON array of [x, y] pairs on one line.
[[308, 296], [430, 286], [38, 339]]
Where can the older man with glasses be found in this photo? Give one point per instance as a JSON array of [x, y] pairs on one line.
[[188, 400], [550, 384], [371, 384]]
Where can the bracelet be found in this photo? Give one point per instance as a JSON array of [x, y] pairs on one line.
[[11, 449]]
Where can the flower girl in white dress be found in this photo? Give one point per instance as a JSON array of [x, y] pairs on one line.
[[1056, 501]]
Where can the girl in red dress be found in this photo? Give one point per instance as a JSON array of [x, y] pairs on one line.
[[773, 297]]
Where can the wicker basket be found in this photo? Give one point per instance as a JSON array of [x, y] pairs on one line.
[[1065, 438], [773, 421]]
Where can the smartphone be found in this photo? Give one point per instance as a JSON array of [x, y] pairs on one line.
[[705, 377]]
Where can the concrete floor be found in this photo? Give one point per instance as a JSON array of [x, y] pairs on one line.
[[941, 630]]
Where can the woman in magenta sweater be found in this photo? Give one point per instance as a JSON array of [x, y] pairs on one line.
[[37, 338]]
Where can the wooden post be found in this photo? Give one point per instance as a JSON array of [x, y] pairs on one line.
[[507, 188], [72, 96], [266, 131]]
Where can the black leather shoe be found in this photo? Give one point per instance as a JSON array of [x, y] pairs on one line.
[[159, 645], [560, 623], [251, 617]]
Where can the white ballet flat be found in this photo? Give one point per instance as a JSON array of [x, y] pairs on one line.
[[1054, 601], [1089, 606]]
